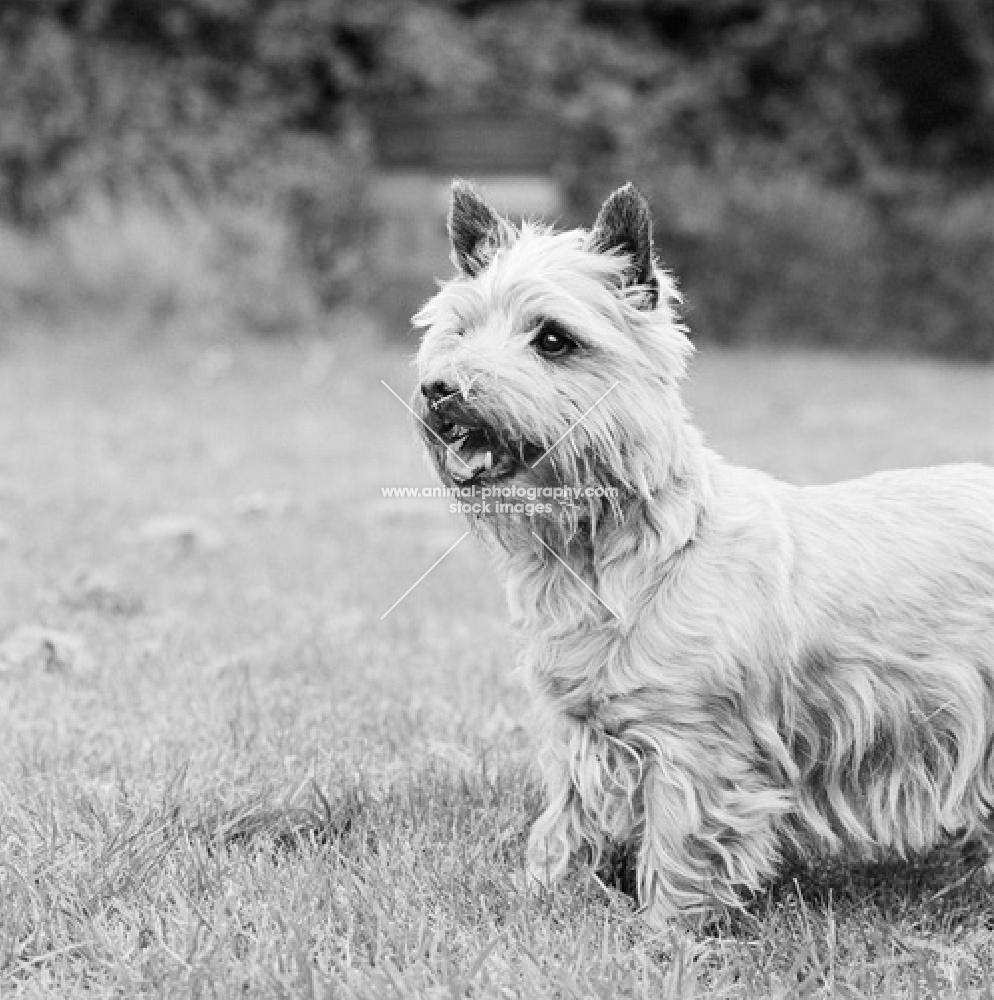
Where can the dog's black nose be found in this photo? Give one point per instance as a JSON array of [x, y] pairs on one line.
[[436, 393]]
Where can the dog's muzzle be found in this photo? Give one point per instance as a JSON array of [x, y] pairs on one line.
[[468, 448]]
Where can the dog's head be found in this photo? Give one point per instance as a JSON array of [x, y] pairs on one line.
[[553, 358]]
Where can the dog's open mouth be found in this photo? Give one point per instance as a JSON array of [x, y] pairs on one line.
[[476, 453]]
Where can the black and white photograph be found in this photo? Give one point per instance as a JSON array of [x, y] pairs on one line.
[[497, 499]]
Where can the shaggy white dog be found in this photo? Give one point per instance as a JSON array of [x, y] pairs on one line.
[[723, 663]]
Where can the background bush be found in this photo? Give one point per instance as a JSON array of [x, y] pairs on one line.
[[791, 259], [836, 154]]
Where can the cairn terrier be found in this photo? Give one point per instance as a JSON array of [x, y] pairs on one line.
[[723, 665]]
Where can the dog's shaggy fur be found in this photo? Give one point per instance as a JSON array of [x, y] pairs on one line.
[[723, 664]]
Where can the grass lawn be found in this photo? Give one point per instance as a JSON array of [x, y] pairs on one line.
[[232, 777]]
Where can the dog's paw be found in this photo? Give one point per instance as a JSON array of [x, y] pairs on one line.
[[540, 872], [662, 918], [669, 922], [545, 861]]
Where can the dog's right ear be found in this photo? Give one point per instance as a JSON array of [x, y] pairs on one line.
[[474, 229]]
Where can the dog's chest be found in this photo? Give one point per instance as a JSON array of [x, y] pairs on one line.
[[585, 663], [584, 674]]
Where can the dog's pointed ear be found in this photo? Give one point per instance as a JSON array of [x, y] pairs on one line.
[[625, 223], [474, 229]]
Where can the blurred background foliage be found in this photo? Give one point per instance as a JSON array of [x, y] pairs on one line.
[[821, 170]]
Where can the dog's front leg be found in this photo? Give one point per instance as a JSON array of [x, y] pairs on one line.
[[557, 834], [549, 849], [708, 831], [591, 782]]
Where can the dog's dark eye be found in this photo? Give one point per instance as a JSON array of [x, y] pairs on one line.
[[552, 340]]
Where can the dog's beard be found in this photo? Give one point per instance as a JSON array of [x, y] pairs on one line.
[[555, 489]]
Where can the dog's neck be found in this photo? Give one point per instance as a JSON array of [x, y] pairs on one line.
[[603, 574]]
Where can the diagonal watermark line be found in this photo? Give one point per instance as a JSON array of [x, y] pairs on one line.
[[424, 574], [572, 427], [407, 407], [578, 578]]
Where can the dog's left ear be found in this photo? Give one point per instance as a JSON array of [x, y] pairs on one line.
[[474, 229], [625, 223]]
